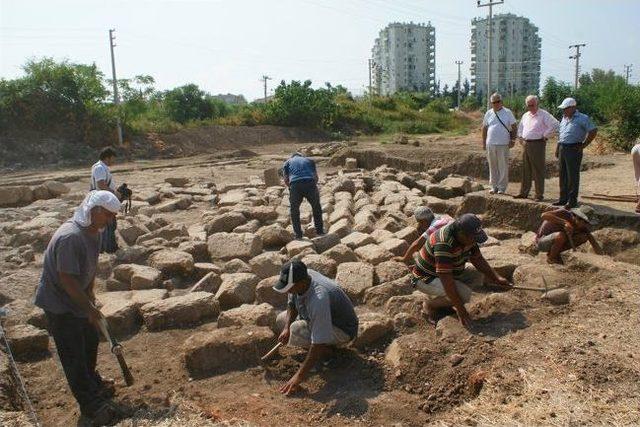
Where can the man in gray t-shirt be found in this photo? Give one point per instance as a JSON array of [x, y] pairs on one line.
[[65, 293], [319, 316]]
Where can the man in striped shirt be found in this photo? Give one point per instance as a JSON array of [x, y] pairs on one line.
[[441, 262]]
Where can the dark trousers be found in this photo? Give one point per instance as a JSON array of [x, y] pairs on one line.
[[570, 160], [108, 242], [305, 189], [77, 344], [533, 167]]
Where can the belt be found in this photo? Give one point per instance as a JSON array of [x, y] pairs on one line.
[[535, 140]]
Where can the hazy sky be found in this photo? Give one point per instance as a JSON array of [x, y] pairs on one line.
[[227, 45]]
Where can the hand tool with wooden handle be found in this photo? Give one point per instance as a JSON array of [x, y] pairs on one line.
[[116, 349], [271, 352]]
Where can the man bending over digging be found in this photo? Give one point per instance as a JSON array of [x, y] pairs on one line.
[[441, 262], [319, 317]]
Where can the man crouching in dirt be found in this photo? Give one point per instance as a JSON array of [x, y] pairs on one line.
[[66, 294], [319, 317], [441, 262], [564, 229]]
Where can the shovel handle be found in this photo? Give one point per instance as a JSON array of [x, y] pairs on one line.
[[271, 352]]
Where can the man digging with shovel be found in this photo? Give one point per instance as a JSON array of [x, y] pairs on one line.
[[563, 229], [66, 294], [319, 317]]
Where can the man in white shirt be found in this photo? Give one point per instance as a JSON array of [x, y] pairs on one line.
[[536, 126], [498, 135], [101, 179]]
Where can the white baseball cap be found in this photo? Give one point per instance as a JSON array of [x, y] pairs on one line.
[[568, 102]]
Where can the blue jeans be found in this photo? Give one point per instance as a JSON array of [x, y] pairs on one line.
[[305, 189], [77, 344], [570, 160]]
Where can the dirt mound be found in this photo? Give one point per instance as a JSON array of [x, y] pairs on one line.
[[39, 149]]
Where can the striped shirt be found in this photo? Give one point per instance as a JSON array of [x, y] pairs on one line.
[[442, 253]]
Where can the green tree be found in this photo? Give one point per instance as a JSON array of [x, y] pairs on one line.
[[298, 104], [189, 102]]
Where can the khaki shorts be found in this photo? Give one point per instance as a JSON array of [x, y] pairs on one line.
[[300, 333], [435, 289], [545, 242]]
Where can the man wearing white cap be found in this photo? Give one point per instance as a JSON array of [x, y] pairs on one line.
[[66, 294], [498, 136], [319, 316], [575, 133]]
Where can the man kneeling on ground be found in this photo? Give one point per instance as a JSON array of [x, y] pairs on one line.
[[563, 229], [441, 262], [319, 317]]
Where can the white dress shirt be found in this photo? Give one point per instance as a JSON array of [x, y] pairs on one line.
[[537, 126]]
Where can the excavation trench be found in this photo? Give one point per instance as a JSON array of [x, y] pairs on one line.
[[450, 162]]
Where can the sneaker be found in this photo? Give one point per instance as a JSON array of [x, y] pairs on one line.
[[558, 203], [570, 206], [500, 191], [492, 191]]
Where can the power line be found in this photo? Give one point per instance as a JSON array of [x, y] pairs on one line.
[[459, 63]]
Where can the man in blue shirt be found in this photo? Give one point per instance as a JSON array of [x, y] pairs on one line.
[[301, 177], [576, 132]]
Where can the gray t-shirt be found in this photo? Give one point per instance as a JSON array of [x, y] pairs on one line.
[[72, 250], [324, 306]]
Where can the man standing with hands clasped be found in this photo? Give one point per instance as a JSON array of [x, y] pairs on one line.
[[536, 126], [498, 136], [576, 132]]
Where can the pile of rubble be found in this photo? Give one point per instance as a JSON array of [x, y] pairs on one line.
[[22, 195]]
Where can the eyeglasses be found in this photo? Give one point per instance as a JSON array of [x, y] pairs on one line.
[[496, 102]]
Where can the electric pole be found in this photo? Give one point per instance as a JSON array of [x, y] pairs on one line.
[[264, 79], [116, 99], [370, 66], [459, 63], [489, 38], [627, 71], [577, 58]]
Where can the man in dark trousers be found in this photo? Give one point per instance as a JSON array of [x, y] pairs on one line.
[[66, 294], [576, 132], [319, 317], [301, 177], [101, 179]]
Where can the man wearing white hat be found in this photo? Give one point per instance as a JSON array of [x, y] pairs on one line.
[[576, 132], [66, 294], [319, 315]]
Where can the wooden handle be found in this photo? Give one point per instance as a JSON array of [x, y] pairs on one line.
[[271, 352]]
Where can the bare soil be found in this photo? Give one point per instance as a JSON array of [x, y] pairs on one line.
[[526, 363]]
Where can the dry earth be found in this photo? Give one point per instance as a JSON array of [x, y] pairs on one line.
[[525, 362]]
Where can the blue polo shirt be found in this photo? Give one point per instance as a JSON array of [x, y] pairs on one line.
[[574, 130], [299, 168]]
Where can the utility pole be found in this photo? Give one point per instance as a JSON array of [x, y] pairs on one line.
[[370, 66], [116, 99], [577, 58], [490, 38], [264, 79], [459, 63], [627, 71]]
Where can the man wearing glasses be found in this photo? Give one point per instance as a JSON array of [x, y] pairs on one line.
[[536, 126], [498, 136]]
